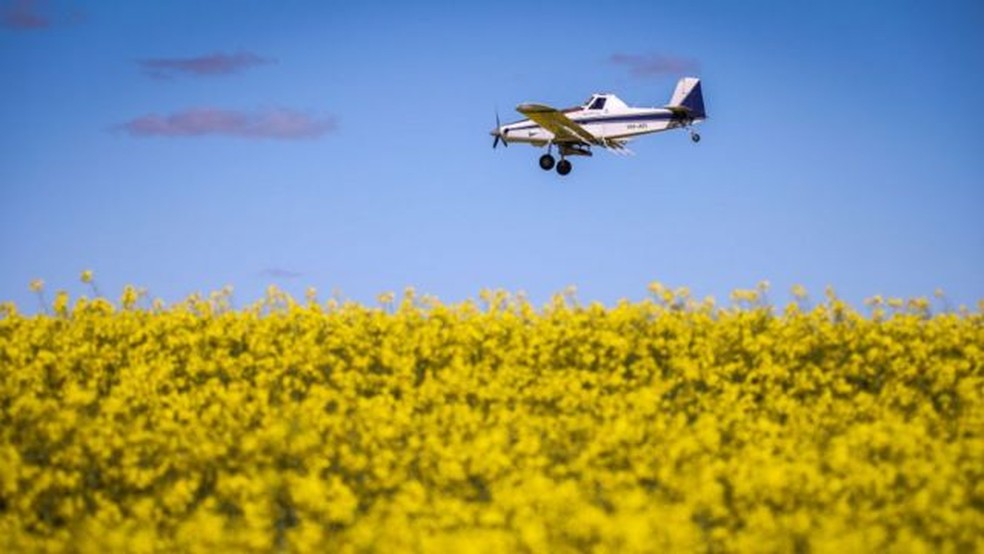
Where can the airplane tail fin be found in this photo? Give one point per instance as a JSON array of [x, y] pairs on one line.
[[688, 95]]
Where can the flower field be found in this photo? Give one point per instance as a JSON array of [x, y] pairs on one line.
[[665, 425]]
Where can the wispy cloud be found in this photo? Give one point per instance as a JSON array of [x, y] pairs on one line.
[[280, 273], [202, 66], [279, 123], [23, 15], [654, 65]]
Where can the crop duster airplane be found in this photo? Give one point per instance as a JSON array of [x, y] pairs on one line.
[[604, 120]]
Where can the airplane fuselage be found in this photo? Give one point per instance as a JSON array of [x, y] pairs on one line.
[[603, 124]]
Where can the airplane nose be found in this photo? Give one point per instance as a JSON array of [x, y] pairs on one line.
[[499, 133]]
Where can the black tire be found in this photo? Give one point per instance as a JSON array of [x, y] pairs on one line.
[[564, 167], [695, 137], [546, 162]]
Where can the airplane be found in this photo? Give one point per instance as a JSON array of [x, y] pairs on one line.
[[604, 120]]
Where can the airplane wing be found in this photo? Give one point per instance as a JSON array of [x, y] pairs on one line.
[[563, 127]]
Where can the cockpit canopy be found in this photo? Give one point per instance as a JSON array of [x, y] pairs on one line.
[[604, 101], [596, 102]]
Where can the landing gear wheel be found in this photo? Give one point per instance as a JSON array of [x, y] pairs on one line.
[[564, 167], [546, 162], [695, 137]]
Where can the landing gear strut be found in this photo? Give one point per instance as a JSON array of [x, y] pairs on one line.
[[547, 161], [564, 167]]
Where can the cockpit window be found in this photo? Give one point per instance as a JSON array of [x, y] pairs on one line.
[[599, 103]]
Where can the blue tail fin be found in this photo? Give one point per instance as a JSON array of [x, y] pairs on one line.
[[689, 95]]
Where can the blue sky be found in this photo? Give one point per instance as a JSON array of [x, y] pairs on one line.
[[184, 146]]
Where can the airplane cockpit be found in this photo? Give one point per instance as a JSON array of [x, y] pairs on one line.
[[596, 102]]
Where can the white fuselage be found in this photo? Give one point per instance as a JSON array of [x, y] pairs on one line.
[[619, 122]]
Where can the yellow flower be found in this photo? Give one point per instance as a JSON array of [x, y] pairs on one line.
[[665, 425], [745, 295], [86, 276], [37, 285], [60, 304], [656, 288], [875, 301]]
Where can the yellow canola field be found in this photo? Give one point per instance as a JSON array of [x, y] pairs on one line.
[[666, 425]]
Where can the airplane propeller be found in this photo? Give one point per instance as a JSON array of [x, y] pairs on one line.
[[499, 133]]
